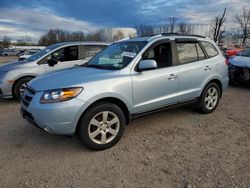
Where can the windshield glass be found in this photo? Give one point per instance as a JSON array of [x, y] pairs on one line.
[[117, 55], [41, 53], [246, 53]]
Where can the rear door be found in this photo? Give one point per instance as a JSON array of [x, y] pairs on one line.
[[194, 69]]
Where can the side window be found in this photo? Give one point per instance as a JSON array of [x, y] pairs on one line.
[[87, 52], [187, 52], [69, 53], [210, 49], [161, 54], [201, 54]]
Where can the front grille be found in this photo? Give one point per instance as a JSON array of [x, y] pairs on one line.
[[27, 96]]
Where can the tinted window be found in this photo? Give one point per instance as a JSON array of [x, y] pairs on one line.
[[87, 52], [161, 54], [187, 52], [210, 49]]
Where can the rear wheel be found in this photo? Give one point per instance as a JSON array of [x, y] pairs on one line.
[[210, 98], [20, 86], [102, 126]]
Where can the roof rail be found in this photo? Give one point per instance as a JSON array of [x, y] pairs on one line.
[[179, 34]]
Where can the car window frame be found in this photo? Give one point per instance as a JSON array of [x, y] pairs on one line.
[[188, 42], [153, 45]]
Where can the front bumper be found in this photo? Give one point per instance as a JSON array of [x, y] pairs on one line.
[[5, 90], [57, 118]]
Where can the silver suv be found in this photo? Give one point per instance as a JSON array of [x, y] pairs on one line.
[[15, 75], [128, 79]]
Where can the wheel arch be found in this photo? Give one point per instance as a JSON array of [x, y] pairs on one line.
[[218, 82], [18, 79], [118, 102]]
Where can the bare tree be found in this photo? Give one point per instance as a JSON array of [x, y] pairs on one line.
[[172, 23], [6, 42], [144, 30], [217, 25], [243, 20]]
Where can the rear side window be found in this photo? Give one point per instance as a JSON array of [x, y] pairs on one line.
[[187, 52], [210, 49], [87, 52]]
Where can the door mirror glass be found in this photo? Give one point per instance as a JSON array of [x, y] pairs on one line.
[[147, 65], [52, 62]]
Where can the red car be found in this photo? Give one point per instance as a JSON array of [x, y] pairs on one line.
[[233, 50]]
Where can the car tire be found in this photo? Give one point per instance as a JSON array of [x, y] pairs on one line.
[[102, 126], [209, 99], [20, 86]]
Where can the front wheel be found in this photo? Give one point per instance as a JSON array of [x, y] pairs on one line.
[[20, 86], [102, 126], [210, 98]]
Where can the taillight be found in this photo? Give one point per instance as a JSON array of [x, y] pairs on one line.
[[226, 62]]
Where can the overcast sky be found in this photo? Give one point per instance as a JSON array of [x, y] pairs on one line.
[[20, 18]]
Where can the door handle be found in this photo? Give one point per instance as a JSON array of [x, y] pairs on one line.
[[207, 68], [172, 76]]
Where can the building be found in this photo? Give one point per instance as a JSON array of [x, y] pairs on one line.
[[114, 34]]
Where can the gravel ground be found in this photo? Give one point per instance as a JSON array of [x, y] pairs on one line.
[[174, 148], [4, 59]]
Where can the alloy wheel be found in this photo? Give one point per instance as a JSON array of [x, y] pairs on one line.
[[211, 98], [103, 127]]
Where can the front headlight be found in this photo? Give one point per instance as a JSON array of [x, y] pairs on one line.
[[59, 95]]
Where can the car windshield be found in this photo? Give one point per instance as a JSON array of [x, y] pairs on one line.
[[117, 55], [41, 53], [246, 53]]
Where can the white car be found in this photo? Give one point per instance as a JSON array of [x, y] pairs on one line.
[[27, 54]]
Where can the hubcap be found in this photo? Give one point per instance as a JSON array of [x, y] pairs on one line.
[[211, 98], [104, 127], [22, 88]]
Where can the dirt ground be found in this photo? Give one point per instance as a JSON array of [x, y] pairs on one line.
[[174, 148]]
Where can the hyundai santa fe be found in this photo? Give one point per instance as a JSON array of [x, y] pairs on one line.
[[15, 75], [126, 80]]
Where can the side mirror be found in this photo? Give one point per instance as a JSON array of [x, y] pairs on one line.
[[52, 62], [147, 65]]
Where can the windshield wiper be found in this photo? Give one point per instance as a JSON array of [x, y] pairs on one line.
[[100, 66]]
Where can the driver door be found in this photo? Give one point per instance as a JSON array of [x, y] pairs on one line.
[[66, 57]]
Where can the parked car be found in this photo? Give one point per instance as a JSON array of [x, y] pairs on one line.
[[27, 54], [15, 75], [20, 52], [9, 52], [126, 80], [234, 50], [239, 68]]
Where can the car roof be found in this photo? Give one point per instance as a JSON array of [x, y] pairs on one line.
[[80, 43]]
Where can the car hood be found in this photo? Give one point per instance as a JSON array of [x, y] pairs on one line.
[[240, 61], [13, 65], [73, 77]]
